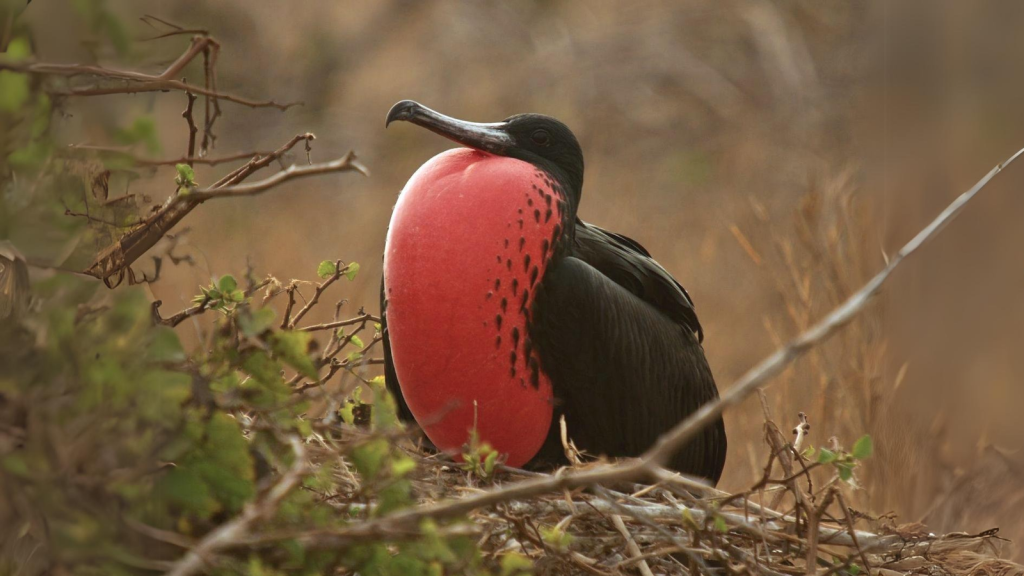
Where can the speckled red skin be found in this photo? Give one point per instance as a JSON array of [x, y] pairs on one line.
[[469, 239]]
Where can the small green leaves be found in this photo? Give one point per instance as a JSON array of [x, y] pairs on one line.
[[326, 269], [329, 268], [227, 283], [402, 465], [515, 564], [14, 86], [863, 448], [845, 470], [164, 346], [689, 521], [844, 462], [186, 176], [223, 294], [556, 537], [142, 131], [369, 458], [478, 458], [720, 524], [256, 322], [294, 349], [351, 270]]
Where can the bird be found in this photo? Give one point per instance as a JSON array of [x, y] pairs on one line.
[[504, 313]]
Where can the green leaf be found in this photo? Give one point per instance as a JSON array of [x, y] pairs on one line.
[[15, 464], [845, 471], [826, 456], [394, 496], [720, 525], [293, 348], [257, 321], [227, 283], [326, 269], [402, 465], [863, 448], [556, 537], [14, 91], [185, 488], [351, 270], [186, 175], [689, 520], [143, 130], [356, 340], [515, 564], [854, 570], [369, 458], [164, 346], [14, 86], [489, 462]]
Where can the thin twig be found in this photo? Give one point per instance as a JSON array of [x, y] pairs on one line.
[[192, 129], [340, 323], [346, 163], [138, 81], [320, 289], [203, 306]]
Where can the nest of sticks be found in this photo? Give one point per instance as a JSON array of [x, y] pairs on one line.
[[795, 520]]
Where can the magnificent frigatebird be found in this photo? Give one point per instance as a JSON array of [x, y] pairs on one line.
[[501, 310]]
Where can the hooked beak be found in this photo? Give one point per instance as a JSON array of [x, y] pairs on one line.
[[492, 137]]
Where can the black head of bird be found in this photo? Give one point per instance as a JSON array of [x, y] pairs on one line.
[[540, 140]]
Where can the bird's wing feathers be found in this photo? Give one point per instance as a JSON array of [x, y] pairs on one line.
[[628, 264], [623, 372]]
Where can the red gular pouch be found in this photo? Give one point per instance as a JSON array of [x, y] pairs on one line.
[[469, 240]]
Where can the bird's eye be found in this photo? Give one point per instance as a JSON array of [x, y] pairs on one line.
[[540, 137]]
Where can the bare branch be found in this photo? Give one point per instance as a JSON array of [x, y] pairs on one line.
[[126, 151], [341, 323], [192, 130], [347, 163], [138, 81]]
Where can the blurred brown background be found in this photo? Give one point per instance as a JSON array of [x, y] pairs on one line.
[[767, 153]]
